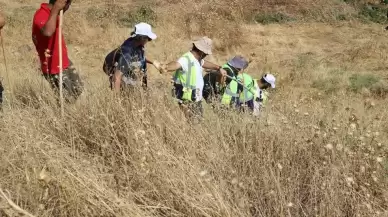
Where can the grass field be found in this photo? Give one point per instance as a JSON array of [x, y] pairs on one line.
[[319, 148]]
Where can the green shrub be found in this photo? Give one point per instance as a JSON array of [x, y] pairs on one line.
[[358, 81], [328, 85], [120, 16], [272, 18], [373, 14], [142, 14]]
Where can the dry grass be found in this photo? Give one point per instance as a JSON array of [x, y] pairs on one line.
[[319, 149]]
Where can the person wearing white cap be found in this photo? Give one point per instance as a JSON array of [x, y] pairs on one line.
[[127, 64], [188, 78], [255, 96]]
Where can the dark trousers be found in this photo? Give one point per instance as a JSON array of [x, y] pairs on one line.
[[249, 105], [72, 84]]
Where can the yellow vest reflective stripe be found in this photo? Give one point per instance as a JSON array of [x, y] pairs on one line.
[[187, 79], [230, 90], [261, 95], [246, 94]]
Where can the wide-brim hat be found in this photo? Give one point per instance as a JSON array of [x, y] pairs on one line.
[[204, 44]]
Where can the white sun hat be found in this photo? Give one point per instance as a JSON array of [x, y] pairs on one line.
[[269, 78], [145, 29]]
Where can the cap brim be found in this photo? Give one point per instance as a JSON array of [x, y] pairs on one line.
[[272, 85], [199, 46], [152, 36]]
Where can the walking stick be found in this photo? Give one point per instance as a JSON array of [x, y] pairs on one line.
[[60, 62]]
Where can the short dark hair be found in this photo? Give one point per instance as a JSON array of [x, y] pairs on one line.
[[52, 2]]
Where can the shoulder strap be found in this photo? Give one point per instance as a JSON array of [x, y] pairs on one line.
[[190, 66]]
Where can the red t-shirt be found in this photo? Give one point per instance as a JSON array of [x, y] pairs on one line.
[[47, 47]]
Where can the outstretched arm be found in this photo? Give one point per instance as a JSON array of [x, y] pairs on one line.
[[212, 66], [209, 65], [172, 66]]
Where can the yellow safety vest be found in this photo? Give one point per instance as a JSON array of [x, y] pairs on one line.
[[246, 94], [230, 90], [187, 79]]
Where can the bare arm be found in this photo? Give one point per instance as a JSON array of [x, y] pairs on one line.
[[50, 27], [212, 66], [209, 65], [173, 66], [51, 24]]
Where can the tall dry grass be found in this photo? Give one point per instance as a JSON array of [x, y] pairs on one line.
[[319, 149]]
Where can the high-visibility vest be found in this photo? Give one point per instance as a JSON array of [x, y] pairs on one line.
[[230, 90], [246, 94], [187, 79], [260, 95]]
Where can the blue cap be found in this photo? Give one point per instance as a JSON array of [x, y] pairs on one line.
[[238, 62]]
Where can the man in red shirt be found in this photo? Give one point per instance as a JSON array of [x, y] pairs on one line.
[[45, 37]]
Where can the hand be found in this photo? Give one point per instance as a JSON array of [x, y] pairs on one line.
[[163, 68], [157, 64], [223, 72], [60, 5]]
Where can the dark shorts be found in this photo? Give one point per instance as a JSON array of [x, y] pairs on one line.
[[72, 84]]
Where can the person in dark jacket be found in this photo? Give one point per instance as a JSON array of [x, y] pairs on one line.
[[127, 64]]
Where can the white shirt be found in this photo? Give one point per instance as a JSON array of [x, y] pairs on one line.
[[198, 69]]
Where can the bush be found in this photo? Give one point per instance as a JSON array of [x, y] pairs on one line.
[[120, 16], [142, 14], [328, 85], [373, 13], [358, 82], [272, 18]]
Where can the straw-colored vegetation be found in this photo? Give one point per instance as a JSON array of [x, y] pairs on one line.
[[319, 149]]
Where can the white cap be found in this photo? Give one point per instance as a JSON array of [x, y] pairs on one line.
[[145, 29], [269, 78]]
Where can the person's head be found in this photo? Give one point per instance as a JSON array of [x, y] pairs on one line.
[[267, 81], [143, 34], [238, 63], [202, 47], [68, 3]]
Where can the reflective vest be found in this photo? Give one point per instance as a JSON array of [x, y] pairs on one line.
[[187, 79], [246, 94], [230, 90], [260, 95]]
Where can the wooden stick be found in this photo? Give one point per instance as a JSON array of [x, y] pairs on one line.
[[60, 61], [14, 206]]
